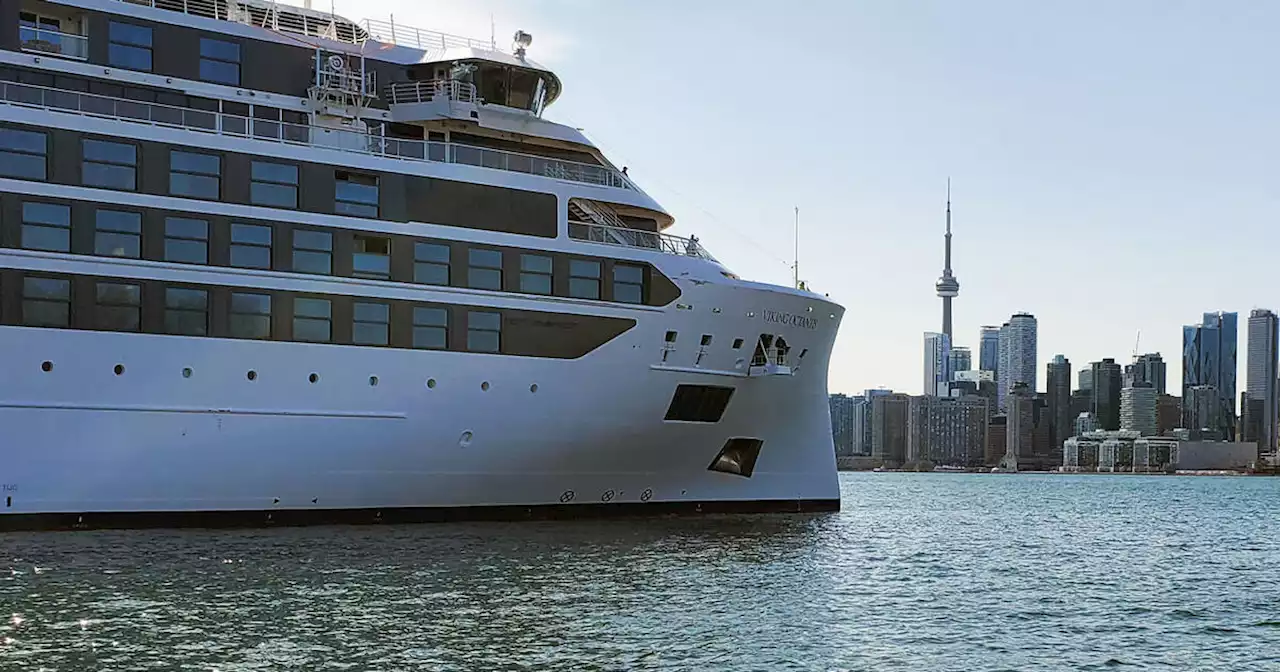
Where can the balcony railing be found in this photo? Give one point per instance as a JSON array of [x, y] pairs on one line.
[[658, 242], [59, 100], [46, 41], [423, 92], [407, 36]]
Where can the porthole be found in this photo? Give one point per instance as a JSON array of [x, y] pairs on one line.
[[46, 366], [484, 386], [252, 375], [373, 381], [431, 383], [119, 369], [186, 373], [706, 340], [315, 377], [671, 337], [533, 387]]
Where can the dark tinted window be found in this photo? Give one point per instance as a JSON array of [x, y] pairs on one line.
[[109, 164], [535, 274], [129, 46], [22, 154], [273, 184], [46, 226], [371, 323], [584, 279], [219, 62], [371, 257], [186, 311], [194, 175], [46, 302], [251, 246], [431, 263], [356, 195], [250, 315], [699, 403], [312, 252], [186, 240], [484, 331], [628, 283], [117, 233], [117, 306], [485, 269], [430, 328], [312, 320]]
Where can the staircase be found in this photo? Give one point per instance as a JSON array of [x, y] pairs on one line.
[[611, 228]]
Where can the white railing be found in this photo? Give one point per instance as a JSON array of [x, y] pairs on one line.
[[47, 41], [622, 237], [407, 36], [59, 100], [214, 9], [423, 92], [283, 18]]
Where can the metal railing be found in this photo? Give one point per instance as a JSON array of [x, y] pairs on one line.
[[46, 41], [658, 242], [276, 16], [407, 36], [422, 92], [87, 104]]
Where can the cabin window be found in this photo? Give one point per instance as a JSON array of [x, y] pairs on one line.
[[186, 240], [484, 331], [46, 226], [23, 153], [356, 195], [535, 274], [250, 315], [113, 165], [312, 320], [129, 46], [485, 269], [371, 257], [250, 246], [194, 175], [431, 263], [273, 184], [584, 279], [117, 307], [628, 283], [312, 252], [117, 234], [219, 62], [370, 323], [430, 328], [186, 311], [46, 302]]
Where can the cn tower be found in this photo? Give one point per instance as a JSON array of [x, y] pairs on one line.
[[948, 287]]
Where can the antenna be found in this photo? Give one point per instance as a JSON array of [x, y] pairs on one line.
[[1136, 342], [493, 33], [795, 265]]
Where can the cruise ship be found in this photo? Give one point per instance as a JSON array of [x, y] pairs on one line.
[[263, 265]]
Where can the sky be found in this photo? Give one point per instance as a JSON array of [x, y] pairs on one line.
[[1113, 165]]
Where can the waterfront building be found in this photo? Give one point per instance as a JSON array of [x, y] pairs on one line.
[[1261, 369], [989, 350], [981, 383], [843, 429], [863, 419], [1138, 410], [1017, 355], [1107, 380], [1080, 452], [1201, 412], [948, 287], [947, 430], [997, 440], [1168, 413], [1209, 360], [1149, 368], [937, 361], [1155, 454], [889, 414], [961, 360], [1058, 392]]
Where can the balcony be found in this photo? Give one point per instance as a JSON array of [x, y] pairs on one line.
[[623, 237], [436, 89], [86, 104], [54, 43]]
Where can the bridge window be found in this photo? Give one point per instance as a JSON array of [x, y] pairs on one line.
[[430, 328], [584, 279], [250, 246], [129, 46], [250, 315], [46, 226], [535, 274], [220, 62], [112, 165], [46, 302], [22, 154], [117, 234]]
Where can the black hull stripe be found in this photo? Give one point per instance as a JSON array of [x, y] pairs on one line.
[[13, 522]]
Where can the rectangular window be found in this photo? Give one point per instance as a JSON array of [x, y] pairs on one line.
[[430, 328], [371, 257], [251, 246], [485, 269], [628, 283], [355, 195], [117, 234], [129, 46], [370, 323], [250, 315], [431, 263], [584, 279], [312, 252], [484, 331], [219, 62], [117, 307], [273, 184], [22, 154], [46, 302], [112, 165], [194, 175], [186, 240], [312, 320], [535, 274], [46, 226], [186, 311]]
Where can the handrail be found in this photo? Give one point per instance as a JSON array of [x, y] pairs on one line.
[[651, 240], [426, 91], [155, 114], [47, 41], [407, 36]]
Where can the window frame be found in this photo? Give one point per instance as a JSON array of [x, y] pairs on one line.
[[352, 204], [273, 183], [220, 60], [474, 331], [26, 298], [576, 278], [527, 273], [251, 245], [178, 311], [419, 262], [26, 224], [298, 302], [99, 306], [85, 162], [357, 320], [195, 172], [126, 45], [233, 314], [294, 249], [184, 239], [134, 231], [472, 268], [15, 153], [641, 285], [358, 251]]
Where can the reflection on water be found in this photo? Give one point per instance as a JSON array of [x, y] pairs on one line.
[[918, 572]]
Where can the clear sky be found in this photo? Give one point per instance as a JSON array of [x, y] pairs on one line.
[[1113, 164]]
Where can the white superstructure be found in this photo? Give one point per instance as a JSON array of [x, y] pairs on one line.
[[260, 265]]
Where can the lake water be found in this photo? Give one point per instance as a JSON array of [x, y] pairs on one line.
[[918, 572]]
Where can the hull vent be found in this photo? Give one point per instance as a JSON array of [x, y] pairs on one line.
[[699, 403], [738, 457]]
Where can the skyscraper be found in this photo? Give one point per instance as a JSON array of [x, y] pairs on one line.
[[989, 349], [1209, 359], [1148, 368], [1138, 409], [1260, 383], [961, 360], [937, 362], [947, 430], [1107, 381], [1020, 426], [1200, 411], [1058, 386], [889, 428], [842, 422], [1017, 356], [948, 287]]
